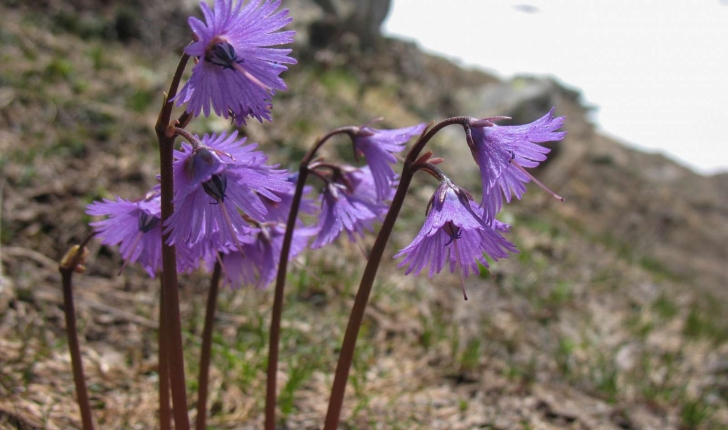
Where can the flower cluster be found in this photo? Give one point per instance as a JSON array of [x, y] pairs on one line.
[[137, 228], [231, 207], [215, 180], [256, 262], [458, 230], [227, 210], [223, 189]]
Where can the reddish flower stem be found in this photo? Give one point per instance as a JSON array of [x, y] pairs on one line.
[[275, 323], [194, 141], [205, 354], [67, 267], [173, 323], [165, 413], [346, 356]]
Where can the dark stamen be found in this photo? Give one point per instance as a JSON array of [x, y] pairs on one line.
[[453, 231], [223, 55], [147, 222], [216, 187]]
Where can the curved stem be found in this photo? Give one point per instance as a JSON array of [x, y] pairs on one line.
[[411, 165], [173, 322], [205, 354], [425, 138], [166, 112], [68, 265], [275, 323], [433, 171], [191, 138]]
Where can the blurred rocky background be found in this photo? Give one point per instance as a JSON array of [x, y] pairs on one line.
[[612, 315]]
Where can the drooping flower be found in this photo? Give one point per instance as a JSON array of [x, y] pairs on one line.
[[349, 203], [454, 231], [215, 180], [136, 227], [503, 153], [237, 70], [257, 265], [278, 210], [377, 146]]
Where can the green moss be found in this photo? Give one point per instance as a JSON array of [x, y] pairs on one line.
[[141, 100], [299, 372], [695, 413], [665, 307], [98, 57], [701, 324], [605, 378], [85, 26], [657, 268], [564, 351], [470, 357], [59, 69], [338, 79], [560, 294]]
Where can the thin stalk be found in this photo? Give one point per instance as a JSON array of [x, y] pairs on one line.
[[165, 413], [194, 141], [169, 260], [72, 262], [346, 356], [275, 323], [424, 139], [171, 296], [166, 112], [205, 354]]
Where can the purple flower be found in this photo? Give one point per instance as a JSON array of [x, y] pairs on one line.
[[278, 210], [213, 182], [261, 252], [351, 204], [454, 231], [136, 228], [237, 71], [502, 152], [377, 146]]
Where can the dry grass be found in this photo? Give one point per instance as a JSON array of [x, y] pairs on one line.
[[579, 330]]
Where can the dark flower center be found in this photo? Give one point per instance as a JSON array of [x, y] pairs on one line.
[[147, 222], [223, 55], [453, 231], [216, 187]]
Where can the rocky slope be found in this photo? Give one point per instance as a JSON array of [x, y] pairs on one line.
[[611, 316]]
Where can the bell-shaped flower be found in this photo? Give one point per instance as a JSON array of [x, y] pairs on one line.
[[256, 262], [349, 203], [136, 227], [503, 153], [237, 71], [454, 232], [279, 210], [215, 180], [378, 147]]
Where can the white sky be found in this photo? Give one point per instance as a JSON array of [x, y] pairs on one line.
[[656, 69]]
